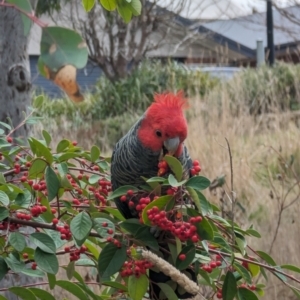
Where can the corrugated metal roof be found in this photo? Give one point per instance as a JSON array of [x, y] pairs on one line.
[[247, 30]]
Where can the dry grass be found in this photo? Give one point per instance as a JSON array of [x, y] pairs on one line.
[[252, 141]]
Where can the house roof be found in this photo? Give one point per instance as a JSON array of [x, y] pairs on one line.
[[245, 31]]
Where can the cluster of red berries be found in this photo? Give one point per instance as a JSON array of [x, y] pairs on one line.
[[251, 287], [23, 216], [12, 226], [135, 267], [37, 210], [75, 253], [196, 169], [163, 168], [181, 229], [65, 233], [109, 230], [117, 243]]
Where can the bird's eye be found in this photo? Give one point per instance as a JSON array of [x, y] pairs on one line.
[[158, 133]]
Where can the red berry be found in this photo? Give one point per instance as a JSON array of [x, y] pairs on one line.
[[23, 178], [131, 204], [195, 163], [28, 164], [25, 255], [33, 266], [9, 139], [104, 224], [44, 208], [63, 236], [219, 295], [83, 249], [36, 186], [193, 172], [123, 198], [74, 143], [53, 210], [110, 231], [195, 239], [67, 249], [253, 287], [197, 169], [130, 192], [96, 168], [182, 256], [55, 221]]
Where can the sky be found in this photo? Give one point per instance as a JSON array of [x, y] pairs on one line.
[[219, 9]]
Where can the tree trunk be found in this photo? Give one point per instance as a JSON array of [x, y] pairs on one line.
[[15, 95], [15, 85]]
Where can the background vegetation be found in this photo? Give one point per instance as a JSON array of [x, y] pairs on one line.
[[256, 111]]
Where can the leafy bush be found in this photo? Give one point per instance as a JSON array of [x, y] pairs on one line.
[[265, 89], [133, 93], [63, 192]]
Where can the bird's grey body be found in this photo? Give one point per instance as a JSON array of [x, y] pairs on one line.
[[131, 161]]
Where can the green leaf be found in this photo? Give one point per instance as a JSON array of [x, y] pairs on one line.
[[137, 287], [2, 179], [80, 227], [4, 213], [115, 213], [229, 288], [168, 291], [254, 269], [136, 7], [70, 270], [62, 145], [52, 183], [33, 273], [51, 280], [131, 225], [102, 231], [205, 206], [198, 183], [267, 258], [175, 165], [44, 242], [204, 228], [243, 272], [160, 203], [17, 240], [111, 260], [5, 125], [4, 198], [253, 233], [37, 168], [24, 199], [94, 179], [95, 153], [173, 181], [3, 268], [46, 261], [72, 288], [122, 191], [109, 5], [41, 294], [190, 252], [156, 179], [88, 4], [25, 6], [144, 235], [14, 264], [38, 101], [291, 268], [245, 294], [115, 285], [296, 292], [61, 46], [22, 293], [41, 150], [47, 137]]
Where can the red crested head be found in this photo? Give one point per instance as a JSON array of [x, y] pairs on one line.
[[164, 124]]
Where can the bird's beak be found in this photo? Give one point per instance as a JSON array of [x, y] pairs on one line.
[[172, 145]]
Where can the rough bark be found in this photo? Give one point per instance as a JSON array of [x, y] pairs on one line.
[[15, 86], [15, 95]]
